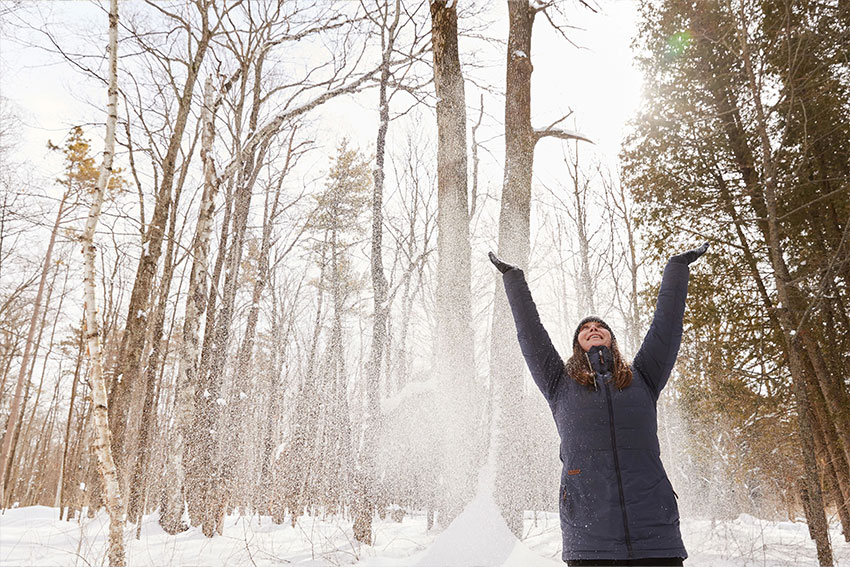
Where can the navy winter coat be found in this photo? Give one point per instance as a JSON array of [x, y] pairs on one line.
[[616, 501]]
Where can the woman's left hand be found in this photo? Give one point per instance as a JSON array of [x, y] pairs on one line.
[[690, 256], [501, 266]]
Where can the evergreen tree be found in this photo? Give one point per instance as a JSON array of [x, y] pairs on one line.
[[743, 139]]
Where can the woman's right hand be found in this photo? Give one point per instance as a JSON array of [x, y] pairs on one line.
[[690, 256], [501, 266]]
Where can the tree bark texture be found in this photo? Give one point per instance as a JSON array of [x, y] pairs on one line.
[[454, 345], [365, 475], [126, 378], [187, 373], [506, 361], [138, 484], [102, 446]]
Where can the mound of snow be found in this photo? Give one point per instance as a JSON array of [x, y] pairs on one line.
[[479, 537]]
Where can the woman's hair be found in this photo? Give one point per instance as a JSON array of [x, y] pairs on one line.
[[578, 367]]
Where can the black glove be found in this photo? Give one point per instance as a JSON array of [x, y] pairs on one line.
[[691, 255], [501, 266]]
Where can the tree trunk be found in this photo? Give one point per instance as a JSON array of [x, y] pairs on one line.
[[241, 399], [506, 361], [337, 446], [365, 476], [214, 495], [264, 499], [103, 446], [154, 363], [787, 317], [306, 414], [454, 365], [832, 391], [39, 459], [196, 303], [584, 284], [60, 484], [126, 378], [35, 405], [73, 499], [837, 466], [623, 214], [219, 478], [833, 481]]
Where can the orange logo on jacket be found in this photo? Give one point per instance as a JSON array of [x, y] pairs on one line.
[[573, 472]]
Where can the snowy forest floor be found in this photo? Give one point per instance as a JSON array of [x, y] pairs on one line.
[[33, 537]]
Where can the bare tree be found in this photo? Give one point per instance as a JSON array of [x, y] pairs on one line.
[[506, 367], [412, 232], [126, 378], [153, 366], [454, 339], [391, 20], [103, 445], [622, 228], [60, 484], [587, 276], [172, 498], [13, 423]]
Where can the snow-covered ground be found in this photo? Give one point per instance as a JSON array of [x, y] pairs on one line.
[[33, 537]]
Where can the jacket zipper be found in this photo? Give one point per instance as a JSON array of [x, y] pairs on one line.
[[589, 365], [617, 468]]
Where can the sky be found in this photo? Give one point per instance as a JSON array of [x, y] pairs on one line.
[[596, 80]]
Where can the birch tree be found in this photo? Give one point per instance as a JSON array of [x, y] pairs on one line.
[[172, 499], [126, 379], [102, 444], [622, 225]]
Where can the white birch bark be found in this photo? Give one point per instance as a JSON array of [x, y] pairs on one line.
[[102, 439]]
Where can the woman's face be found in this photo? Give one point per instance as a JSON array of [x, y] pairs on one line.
[[593, 334]]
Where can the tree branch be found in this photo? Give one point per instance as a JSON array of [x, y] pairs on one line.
[[551, 132]]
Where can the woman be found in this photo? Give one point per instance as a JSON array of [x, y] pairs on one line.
[[617, 506]]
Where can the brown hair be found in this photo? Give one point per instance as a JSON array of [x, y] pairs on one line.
[[578, 367]]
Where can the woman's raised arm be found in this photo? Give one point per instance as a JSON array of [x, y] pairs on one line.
[[657, 354], [542, 359]]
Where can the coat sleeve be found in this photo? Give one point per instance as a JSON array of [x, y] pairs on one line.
[[657, 354], [542, 359]]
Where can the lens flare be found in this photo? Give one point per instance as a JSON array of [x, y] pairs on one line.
[[678, 43]]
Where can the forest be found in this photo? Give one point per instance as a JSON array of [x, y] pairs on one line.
[[221, 301]]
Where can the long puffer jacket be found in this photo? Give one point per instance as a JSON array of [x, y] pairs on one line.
[[616, 501]]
